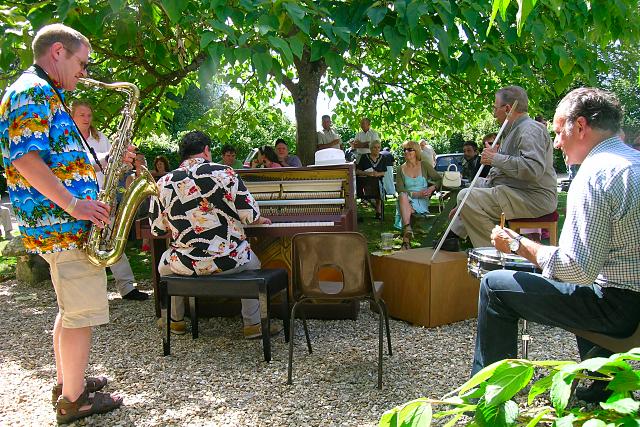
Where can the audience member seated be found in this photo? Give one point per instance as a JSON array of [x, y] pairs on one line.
[[266, 158], [160, 167], [286, 159], [414, 189], [373, 164], [210, 238], [229, 157], [471, 162], [522, 180]]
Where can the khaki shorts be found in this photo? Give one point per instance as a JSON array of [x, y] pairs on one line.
[[81, 289]]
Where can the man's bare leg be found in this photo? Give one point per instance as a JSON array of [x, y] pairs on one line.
[[73, 351]]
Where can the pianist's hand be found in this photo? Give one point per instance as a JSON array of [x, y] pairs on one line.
[[262, 220]]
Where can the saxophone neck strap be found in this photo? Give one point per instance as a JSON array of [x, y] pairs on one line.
[[40, 72]]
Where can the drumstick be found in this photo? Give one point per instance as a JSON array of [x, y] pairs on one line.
[[502, 220]]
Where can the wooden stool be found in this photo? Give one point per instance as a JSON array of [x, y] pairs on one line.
[[260, 284], [548, 222]]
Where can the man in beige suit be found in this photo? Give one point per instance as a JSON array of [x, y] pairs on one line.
[[522, 182]]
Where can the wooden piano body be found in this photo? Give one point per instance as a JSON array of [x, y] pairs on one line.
[[296, 200]]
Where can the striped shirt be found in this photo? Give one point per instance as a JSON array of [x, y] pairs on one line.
[[600, 240]]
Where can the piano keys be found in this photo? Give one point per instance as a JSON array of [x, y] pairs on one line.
[[296, 200]]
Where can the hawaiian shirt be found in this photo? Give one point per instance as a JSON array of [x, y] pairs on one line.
[[32, 118], [203, 205]]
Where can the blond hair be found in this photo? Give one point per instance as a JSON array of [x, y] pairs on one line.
[[416, 148], [48, 35]]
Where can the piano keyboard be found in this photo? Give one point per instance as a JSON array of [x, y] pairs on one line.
[[292, 224]]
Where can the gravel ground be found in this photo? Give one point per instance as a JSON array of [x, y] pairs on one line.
[[221, 379]]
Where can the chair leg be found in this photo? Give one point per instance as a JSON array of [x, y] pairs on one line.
[[386, 320], [264, 322], [285, 316], [193, 312], [292, 332], [306, 329], [166, 347], [380, 348]]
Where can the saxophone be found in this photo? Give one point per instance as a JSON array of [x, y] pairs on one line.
[[105, 246]]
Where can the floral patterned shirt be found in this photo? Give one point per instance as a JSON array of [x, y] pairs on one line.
[[203, 205], [32, 118]]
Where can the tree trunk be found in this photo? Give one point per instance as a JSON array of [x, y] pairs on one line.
[[306, 134], [305, 98]]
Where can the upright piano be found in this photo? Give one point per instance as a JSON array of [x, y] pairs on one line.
[[296, 200]]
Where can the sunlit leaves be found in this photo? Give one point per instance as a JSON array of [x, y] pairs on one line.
[[174, 8]]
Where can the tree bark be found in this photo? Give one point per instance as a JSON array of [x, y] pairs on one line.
[[305, 98]]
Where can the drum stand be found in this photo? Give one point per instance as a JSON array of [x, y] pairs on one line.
[[525, 337]]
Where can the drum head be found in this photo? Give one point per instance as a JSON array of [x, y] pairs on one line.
[[483, 260]]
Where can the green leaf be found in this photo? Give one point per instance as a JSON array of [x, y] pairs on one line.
[[504, 414], [416, 414], [506, 382], [63, 8], [561, 391], [262, 63], [524, 9], [625, 381], [174, 9], [318, 50], [298, 16], [535, 420], [480, 377], [335, 62], [206, 38], [267, 23], [443, 41], [117, 5], [243, 54], [595, 423], [283, 47], [396, 41], [566, 421], [376, 14], [539, 387], [297, 45], [624, 406]]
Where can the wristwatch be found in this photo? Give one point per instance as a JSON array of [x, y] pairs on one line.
[[514, 245]]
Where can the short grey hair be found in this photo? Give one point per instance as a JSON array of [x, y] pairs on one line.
[[601, 109], [511, 94], [48, 35]]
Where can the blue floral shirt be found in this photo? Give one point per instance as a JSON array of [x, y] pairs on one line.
[[32, 118]]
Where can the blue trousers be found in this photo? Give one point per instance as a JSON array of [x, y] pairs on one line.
[[507, 295]]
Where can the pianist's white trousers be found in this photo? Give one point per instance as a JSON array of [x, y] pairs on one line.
[[250, 307]]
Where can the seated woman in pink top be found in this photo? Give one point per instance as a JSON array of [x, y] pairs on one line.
[[266, 158]]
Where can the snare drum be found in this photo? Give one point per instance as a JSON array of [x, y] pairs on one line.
[[483, 260]]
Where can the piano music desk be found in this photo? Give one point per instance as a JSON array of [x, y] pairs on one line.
[[427, 294]]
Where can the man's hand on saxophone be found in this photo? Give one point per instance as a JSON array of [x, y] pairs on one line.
[[92, 210]]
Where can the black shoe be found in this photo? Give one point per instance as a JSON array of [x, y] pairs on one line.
[[136, 295], [595, 393]]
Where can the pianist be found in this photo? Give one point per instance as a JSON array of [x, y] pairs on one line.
[[204, 206]]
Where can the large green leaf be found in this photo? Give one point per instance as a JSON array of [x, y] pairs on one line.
[[625, 381], [396, 41], [624, 406], [506, 382], [561, 391], [503, 415], [283, 47], [377, 14], [297, 44], [262, 62], [174, 9], [539, 387]]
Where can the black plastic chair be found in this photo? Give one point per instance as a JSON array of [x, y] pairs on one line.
[[261, 284], [347, 253]]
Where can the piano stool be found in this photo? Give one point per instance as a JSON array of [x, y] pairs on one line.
[[427, 293], [261, 284]]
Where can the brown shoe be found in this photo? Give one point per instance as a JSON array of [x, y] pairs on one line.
[[255, 331], [99, 403], [90, 383]]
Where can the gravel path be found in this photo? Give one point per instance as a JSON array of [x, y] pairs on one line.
[[220, 378]]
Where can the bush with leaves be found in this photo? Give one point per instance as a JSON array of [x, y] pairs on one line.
[[489, 396]]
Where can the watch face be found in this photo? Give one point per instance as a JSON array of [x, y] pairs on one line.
[[514, 245]]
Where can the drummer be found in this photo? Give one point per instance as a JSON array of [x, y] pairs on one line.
[[591, 281]]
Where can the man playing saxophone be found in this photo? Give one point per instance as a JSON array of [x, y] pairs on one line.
[[53, 189]]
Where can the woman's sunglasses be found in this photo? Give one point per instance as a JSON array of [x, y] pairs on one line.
[[409, 149]]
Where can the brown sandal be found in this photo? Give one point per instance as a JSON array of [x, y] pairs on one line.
[[407, 235], [101, 403], [92, 384]]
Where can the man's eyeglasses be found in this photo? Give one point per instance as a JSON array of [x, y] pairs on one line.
[[409, 150], [499, 106], [83, 64]]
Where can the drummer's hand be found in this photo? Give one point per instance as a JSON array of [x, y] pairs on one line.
[[500, 238], [453, 212]]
